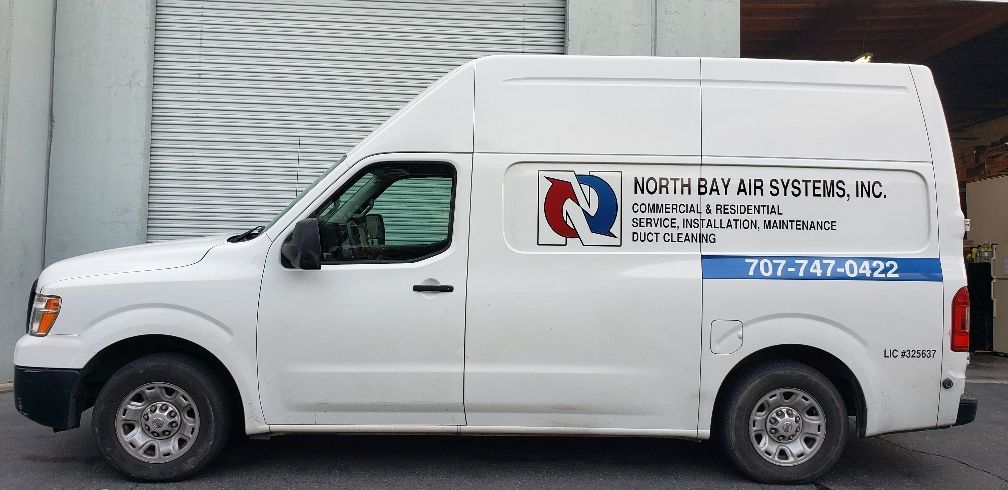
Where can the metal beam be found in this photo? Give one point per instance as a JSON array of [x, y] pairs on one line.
[[805, 43], [972, 26]]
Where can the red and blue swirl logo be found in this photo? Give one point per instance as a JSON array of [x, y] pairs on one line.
[[585, 207]]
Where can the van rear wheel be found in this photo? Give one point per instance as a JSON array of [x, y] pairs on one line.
[[162, 417], [784, 422]]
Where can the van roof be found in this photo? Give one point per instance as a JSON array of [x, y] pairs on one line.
[[544, 104]]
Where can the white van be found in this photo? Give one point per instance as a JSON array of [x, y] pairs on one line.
[[745, 250]]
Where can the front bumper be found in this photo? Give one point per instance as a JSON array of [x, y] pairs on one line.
[[48, 396], [967, 409]]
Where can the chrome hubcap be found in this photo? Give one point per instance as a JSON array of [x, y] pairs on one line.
[[157, 423], [160, 420], [783, 424], [787, 427]]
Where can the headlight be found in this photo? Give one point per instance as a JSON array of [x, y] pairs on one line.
[[45, 309]]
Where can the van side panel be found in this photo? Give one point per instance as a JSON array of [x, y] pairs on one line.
[[592, 327], [855, 276], [951, 231], [825, 218]]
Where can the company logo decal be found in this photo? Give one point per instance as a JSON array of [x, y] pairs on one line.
[[585, 207]]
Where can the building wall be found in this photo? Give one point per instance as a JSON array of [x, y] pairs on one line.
[[603, 27], [698, 28], [654, 27], [26, 43], [101, 126]]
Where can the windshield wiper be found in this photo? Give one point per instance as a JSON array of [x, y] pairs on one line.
[[247, 234]]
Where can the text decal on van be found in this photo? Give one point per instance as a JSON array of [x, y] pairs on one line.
[[821, 268], [581, 206]]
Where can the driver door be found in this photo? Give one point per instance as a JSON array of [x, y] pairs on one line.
[[375, 337]]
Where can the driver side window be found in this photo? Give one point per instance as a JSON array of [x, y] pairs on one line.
[[390, 212]]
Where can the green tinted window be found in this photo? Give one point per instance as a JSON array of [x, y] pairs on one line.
[[390, 212], [416, 210]]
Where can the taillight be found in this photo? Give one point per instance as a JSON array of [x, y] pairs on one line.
[[960, 341]]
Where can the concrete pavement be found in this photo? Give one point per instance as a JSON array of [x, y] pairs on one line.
[[971, 456]]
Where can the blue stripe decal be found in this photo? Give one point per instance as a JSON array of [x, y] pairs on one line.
[[821, 268]]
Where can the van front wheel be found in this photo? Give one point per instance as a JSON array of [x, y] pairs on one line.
[[162, 417], [784, 422]]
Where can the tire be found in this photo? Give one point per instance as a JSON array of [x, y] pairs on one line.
[[170, 410], [792, 440]]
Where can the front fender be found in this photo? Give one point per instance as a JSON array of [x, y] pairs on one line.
[[212, 303], [75, 351]]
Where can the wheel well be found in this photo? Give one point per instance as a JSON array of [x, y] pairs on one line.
[[829, 365], [106, 362]]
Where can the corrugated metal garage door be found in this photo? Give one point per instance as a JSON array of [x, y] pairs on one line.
[[245, 90]]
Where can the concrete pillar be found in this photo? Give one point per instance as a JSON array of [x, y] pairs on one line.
[[101, 126], [605, 27], [26, 44], [654, 27], [698, 28]]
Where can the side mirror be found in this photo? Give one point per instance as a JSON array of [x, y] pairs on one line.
[[303, 248]]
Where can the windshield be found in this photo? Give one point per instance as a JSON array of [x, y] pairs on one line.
[[305, 191]]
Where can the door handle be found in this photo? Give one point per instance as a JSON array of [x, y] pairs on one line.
[[433, 288]]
